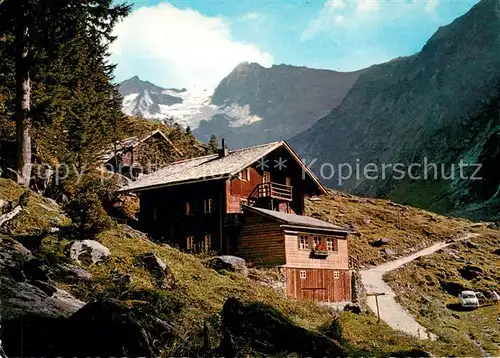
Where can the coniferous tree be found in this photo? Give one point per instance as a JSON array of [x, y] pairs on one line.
[[73, 103], [212, 147]]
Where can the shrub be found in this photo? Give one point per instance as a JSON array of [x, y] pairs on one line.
[[86, 208]]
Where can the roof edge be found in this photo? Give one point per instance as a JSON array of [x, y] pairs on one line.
[[159, 186]]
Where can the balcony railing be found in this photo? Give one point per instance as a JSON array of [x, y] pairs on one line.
[[274, 191]]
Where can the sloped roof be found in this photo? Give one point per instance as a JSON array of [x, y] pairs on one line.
[[211, 167], [135, 141], [296, 220], [203, 168]]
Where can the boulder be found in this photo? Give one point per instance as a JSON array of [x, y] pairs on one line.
[[70, 272], [229, 263], [452, 253], [24, 287], [470, 272], [494, 226], [451, 287], [104, 328], [88, 252], [381, 242], [158, 269], [470, 244], [389, 253], [353, 307], [267, 332]]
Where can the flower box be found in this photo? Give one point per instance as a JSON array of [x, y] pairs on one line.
[[320, 253]]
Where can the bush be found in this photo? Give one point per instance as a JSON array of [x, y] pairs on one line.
[[86, 208]]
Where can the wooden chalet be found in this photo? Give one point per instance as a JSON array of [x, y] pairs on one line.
[[133, 157], [249, 202]]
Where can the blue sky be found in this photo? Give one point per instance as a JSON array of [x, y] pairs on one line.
[[186, 43]]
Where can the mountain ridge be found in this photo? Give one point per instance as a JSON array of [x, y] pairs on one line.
[[440, 104], [278, 102]]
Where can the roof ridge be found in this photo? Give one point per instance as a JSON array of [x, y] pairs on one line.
[[257, 146]]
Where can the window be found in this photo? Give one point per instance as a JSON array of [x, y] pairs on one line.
[[317, 241], [208, 242], [190, 208], [190, 242], [303, 242], [207, 206], [302, 275], [336, 275], [244, 174], [330, 244]]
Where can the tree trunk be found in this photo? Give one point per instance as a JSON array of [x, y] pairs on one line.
[[23, 122]]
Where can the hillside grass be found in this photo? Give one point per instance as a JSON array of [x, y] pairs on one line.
[[422, 287], [200, 292], [196, 297], [408, 228]]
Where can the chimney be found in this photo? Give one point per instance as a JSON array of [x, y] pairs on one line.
[[223, 152]]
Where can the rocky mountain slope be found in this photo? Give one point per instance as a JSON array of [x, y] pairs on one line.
[[186, 107], [252, 105], [438, 106], [266, 104]]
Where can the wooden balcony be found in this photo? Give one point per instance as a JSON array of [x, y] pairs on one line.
[[274, 191]]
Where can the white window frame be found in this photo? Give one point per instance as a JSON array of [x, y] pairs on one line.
[[190, 242], [303, 274], [330, 240], [336, 275], [246, 177], [208, 206], [303, 242], [317, 240]]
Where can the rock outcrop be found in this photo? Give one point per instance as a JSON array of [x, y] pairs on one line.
[[105, 328], [229, 263], [88, 252], [159, 269], [25, 288], [263, 329]]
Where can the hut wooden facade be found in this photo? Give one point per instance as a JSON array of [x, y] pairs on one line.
[[245, 202], [132, 156]]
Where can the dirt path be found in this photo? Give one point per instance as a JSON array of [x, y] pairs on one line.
[[390, 311]]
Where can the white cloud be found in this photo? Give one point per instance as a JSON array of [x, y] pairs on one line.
[[365, 17], [253, 16], [323, 21], [368, 5], [431, 6], [176, 47]]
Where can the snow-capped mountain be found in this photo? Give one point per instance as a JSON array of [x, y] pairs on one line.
[[252, 105], [186, 107]]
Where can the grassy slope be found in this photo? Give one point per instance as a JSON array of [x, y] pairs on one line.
[[200, 292], [419, 286], [409, 229]]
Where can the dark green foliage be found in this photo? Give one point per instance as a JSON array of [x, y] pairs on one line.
[[212, 145], [76, 110], [87, 206]]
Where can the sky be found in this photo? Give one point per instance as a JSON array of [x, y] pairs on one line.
[[196, 43]]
